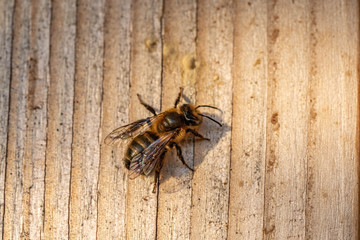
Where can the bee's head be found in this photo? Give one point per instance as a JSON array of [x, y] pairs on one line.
[[192, 116]]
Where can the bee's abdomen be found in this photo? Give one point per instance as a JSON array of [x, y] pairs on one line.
[[137, 145]]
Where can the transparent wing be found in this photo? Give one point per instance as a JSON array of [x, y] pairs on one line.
[[145, 161], [130, 131]]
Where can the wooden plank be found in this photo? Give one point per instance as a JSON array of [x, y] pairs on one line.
[[6, 24], [287, 116], [111, 222], [36, 122], [86, 130], [210, 184], [333, 165], [285, 73], [246, 205], [60, 124], [13, 227], [146, 49], [179, 69]]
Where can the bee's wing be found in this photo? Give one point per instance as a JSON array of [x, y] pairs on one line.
[[145, 161], [130, 131]]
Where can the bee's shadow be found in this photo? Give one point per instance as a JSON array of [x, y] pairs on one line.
[[175, 175]]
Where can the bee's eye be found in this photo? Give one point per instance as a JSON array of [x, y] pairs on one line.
[[189, 116]]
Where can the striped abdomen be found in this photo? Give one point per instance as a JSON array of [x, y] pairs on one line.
[[137, 145]]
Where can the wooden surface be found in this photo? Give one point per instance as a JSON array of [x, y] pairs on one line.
[[285, 164]]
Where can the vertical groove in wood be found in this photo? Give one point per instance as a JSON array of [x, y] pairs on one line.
[[179, 70], [36, 122], [356, 222], [350, 99], [287, 116], [86, 130], [333, 181], [248, 121], [210, 184], [6, 31], [59, 118], [17, 122], [146, 48], [111, 221]]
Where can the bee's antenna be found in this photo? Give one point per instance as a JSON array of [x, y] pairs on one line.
[[210, 119], [208, 107]]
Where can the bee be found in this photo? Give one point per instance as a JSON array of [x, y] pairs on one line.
[[152, 137]]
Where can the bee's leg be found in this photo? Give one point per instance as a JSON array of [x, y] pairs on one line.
[[157, 172], [148, 107], [178, 98], [179, 153], [196, 134]]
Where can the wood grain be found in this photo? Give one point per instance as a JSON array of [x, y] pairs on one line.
[[87, 109], [209, 216], [146, 59], [13, 226], [111, 221], [6, 25], [285, 164], [179, 69], [285, 177], [60, 120], [36, 121], [332, 210], [248, 121]]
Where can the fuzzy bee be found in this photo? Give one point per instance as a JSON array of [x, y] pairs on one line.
[[152, 137]]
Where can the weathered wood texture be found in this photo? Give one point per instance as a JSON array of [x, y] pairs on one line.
[[111, 220], [7, 8], [285, 164], [179, 69], [87, 109], [210, 185], [60, 120]]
